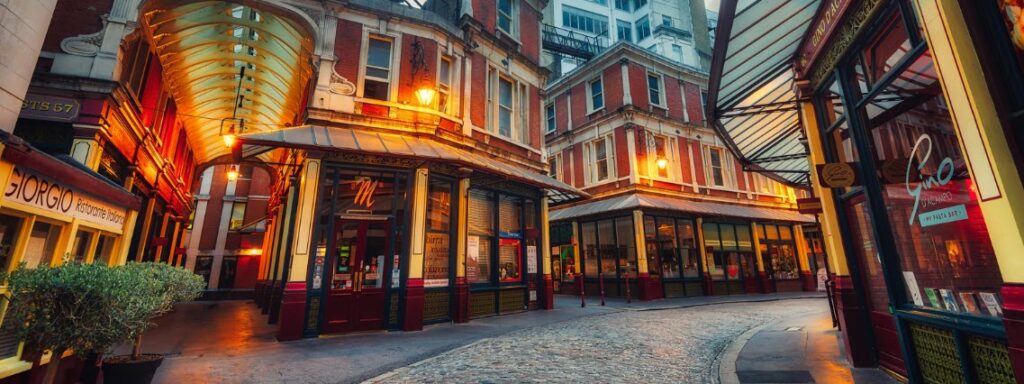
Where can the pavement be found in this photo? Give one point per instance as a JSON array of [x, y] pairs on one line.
[[676, 340]]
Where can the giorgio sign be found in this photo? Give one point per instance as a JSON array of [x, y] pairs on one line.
[[50, 195]]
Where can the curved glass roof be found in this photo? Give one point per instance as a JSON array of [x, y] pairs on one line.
[[203, 47], [751, 99]]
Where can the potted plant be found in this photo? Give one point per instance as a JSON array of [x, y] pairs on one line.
[[74, 307], [165, 286]]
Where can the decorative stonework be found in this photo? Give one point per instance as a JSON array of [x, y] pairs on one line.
[[841, 40], [84, 45], [340, 85]]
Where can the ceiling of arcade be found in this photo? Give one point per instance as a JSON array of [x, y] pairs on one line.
[[203, 47]]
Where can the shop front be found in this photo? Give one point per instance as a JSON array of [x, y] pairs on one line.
[[48, 221], [918, 188], [399, 240]]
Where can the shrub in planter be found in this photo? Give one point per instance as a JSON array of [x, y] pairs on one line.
[[85, 308], [165, 286]]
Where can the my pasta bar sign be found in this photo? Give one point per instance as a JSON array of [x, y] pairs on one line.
[[52, 196]]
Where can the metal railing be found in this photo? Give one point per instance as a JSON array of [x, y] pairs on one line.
[[572, 43]]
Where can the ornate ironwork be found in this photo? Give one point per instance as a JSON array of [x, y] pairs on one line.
[[991, 361], [843, 38], [937, 354]]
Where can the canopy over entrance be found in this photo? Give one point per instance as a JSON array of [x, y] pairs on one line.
[[751, 99], [203, 47]]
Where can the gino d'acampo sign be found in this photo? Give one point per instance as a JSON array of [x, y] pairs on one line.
[[50, 195]]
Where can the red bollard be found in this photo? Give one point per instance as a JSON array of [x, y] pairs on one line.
[[601, 281], [583, 295]]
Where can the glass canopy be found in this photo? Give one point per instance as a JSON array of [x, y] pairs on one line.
[[751, 99]]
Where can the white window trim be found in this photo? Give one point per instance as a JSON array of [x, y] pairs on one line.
[[661, 89], [590, 161], [520, 112], [590, 95], [558, 167], [452, 84], [513, 19], [396, 53], [554, 118], [728, 169]]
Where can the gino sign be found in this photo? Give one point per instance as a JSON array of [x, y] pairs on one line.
[[943, 176], [41, 192]]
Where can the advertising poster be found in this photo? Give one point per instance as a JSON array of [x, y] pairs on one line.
[[915, 292], [435, 263], [531, 259], [472, 257]]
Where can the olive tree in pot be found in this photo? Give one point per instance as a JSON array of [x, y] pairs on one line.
[[165, 285], [75, 307]]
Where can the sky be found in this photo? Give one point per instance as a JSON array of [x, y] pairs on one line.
[[711, 5]]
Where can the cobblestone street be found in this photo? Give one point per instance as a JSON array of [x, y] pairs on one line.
[[661, 346]]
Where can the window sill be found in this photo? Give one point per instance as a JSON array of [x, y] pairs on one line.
[[603, 182], [13, 366], [506, 139], [593, 111]]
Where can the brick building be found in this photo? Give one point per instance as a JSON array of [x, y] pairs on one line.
[[673, 213]]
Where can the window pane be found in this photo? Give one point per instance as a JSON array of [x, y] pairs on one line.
[[481, 213], [887, 49], [375, 90], [743, 240], [379, 54], [482, 263], [80, 249], [712, 243], [436, 257], [509, 268], [41, 244], [237, 216], [668, 248], [509, 212], [104, 250], [443, 72], [626, 246], [588, 239], [9, 226], [606, 248]]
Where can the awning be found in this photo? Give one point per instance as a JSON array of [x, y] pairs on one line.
[[316, 137], [751, 99], [634, 201]]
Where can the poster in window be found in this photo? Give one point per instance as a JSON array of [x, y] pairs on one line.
[[991, 303], [949, 300], [531, 259], [472, 257], [435, 263], [915, 292]]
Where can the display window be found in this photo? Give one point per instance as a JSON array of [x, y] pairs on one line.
[[42, 244], [104, 250], [670, 244], [80, 248], [778, 251], [497, 237], [9, 229], [730, 251], [609, 248], [437, 258]]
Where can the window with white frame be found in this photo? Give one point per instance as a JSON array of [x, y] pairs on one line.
[[377, 79], [655, 85], [549, 117], [444, 83], [507, 17], [677, 52], [623, 5], [595, 88], [624, 30], [703, 100], [555, 166], [716, 166], [585, 21], [600, 164], [507, 106], [643, 28]]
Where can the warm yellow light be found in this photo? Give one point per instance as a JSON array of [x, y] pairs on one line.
[[232, 172], [662, 163], [425, 96], [229, 140]]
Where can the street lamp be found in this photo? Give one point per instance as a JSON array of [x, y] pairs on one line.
[[662, 162], [233, 172], [425, 96]]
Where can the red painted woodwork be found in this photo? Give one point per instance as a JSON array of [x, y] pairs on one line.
[[355, 306], [461, 300], [810, 281], [650, 287], [293, 311], [549, 292], [856, 332], [248, 268], [258, 291], [1013, 321], [707, 284], [765, 282], [414, 299]]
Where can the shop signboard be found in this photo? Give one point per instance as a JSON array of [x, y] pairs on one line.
[[825, 22], [808, 206], [838, 175], [52, 108], [50, 195], [928, 187]]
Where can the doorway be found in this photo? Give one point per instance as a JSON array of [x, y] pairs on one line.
[[356, 298]]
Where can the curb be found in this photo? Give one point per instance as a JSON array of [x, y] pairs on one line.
[[726, 364], [756, 300]]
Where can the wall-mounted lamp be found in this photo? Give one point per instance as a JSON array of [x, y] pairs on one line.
[[425, 96], [233, 172]]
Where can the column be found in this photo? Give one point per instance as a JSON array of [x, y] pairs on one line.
[[163, 243], [762, 276], [124, 241], [281, 254], [293, 300], [461, 285], [414, 297], [807, 276], [545, 251], [578, 264], [706, 283], [850, 306], [987, 152], [199, 218], [649, 288], [147, 222]]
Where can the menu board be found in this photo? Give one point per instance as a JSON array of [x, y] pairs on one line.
[[435, 260]]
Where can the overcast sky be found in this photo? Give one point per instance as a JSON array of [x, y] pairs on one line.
[[711, 5]]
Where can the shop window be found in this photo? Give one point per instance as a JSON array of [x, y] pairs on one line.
[[228, 271], [42, 244], [866, 249], [730, 249], [778, 252], [481, 232], [9, 228], [938, 227], [625, 242], [104, 250], [204, 266], [885, 51], [377, 80], [588, 242], [712, 242], [607, 251], [437, 258], [237, 220], [688, 253], [511, 235], [80, 248]]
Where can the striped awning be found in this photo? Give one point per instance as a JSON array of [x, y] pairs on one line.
[[314, 137], [751, 100]]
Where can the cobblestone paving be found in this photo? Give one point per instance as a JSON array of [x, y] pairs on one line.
[[664, 346]]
